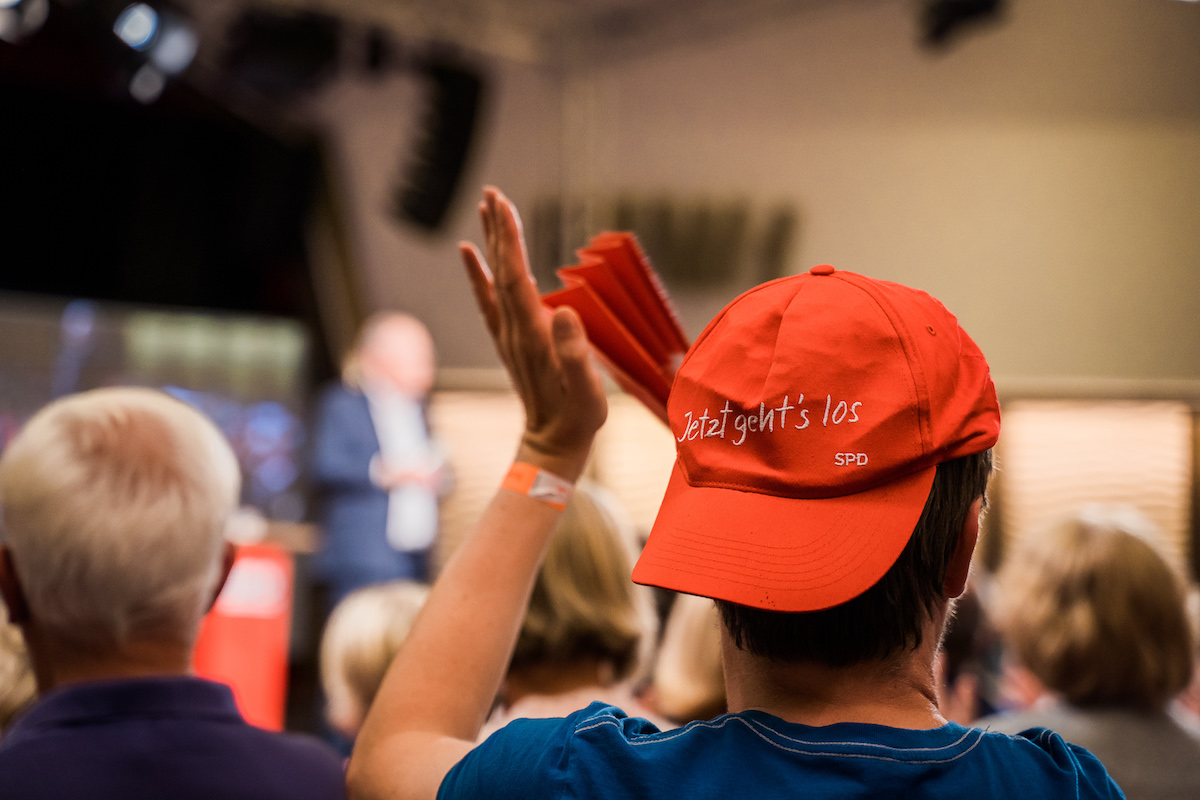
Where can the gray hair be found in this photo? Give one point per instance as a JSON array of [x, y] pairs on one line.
[[113, 504]]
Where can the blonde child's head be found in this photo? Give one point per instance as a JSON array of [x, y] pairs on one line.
[[363, 634]]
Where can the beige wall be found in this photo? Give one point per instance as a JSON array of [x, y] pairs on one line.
[[372, 127], [1042, 176]]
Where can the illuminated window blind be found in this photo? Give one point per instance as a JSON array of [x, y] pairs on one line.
[[632, 457], [479, 431], [1055, 456]]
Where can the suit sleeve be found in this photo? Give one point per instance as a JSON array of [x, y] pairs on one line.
[[344, 442]]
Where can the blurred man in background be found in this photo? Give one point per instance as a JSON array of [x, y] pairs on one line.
[[375, 463]]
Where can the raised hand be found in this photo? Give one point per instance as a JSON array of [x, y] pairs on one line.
[[444, 680], [546, 353]]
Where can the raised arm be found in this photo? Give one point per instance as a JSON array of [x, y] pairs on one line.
[[441, 685]]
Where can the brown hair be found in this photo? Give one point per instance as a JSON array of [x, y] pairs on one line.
[[1098, 615], [584, 605], [889, 617]]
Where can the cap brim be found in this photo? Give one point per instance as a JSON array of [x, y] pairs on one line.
[[779, 553]]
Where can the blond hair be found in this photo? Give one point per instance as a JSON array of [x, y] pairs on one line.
[[17, 685], [1097, 615], [361, 638], [114, 504], [689, 682], [584, 604]]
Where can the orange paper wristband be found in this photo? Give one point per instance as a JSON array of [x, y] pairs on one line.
[[528, 480]]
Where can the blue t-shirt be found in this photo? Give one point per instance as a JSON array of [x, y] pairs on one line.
[[599, 752]]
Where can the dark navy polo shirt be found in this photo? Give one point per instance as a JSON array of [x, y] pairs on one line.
[[170, 737]]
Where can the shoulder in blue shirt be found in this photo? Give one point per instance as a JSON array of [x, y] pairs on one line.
[[600, 752]]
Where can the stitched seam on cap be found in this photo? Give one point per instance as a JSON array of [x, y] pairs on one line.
[[762, 389], [712, 324], [839, 491], [909, 350]]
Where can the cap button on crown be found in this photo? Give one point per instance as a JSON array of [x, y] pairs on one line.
[[821, 269]]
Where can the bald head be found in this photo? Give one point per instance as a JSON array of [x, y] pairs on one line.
[[396, 353]]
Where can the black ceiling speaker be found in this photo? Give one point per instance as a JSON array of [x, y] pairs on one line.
[[379, 51], [941, 20], [282, 54], [429, 181]]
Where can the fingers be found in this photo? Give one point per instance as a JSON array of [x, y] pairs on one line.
[[481, 284], [570, 340], [524, 329], [516, 292], [506, 242], [546, 354], [574, 357]]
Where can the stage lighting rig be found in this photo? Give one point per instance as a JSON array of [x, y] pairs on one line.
[[21, 18], [165, 39]]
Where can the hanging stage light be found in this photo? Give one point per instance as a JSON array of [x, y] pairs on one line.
[[167, 40], [137, 26], [21, 18]]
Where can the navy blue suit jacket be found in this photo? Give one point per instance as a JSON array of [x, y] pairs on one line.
[[355, 550]]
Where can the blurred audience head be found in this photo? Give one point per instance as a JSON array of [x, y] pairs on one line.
[[585, 609], [1093, 609], [393, 352], [113, 505], [361, 638], [689, 683], [1188, 700], [967, 659], [17, 685]]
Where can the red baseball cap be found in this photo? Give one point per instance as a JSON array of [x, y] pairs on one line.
[[809, 418]]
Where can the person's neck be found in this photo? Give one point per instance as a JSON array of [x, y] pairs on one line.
[[57, 664], [899, 692], [555, 679]]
